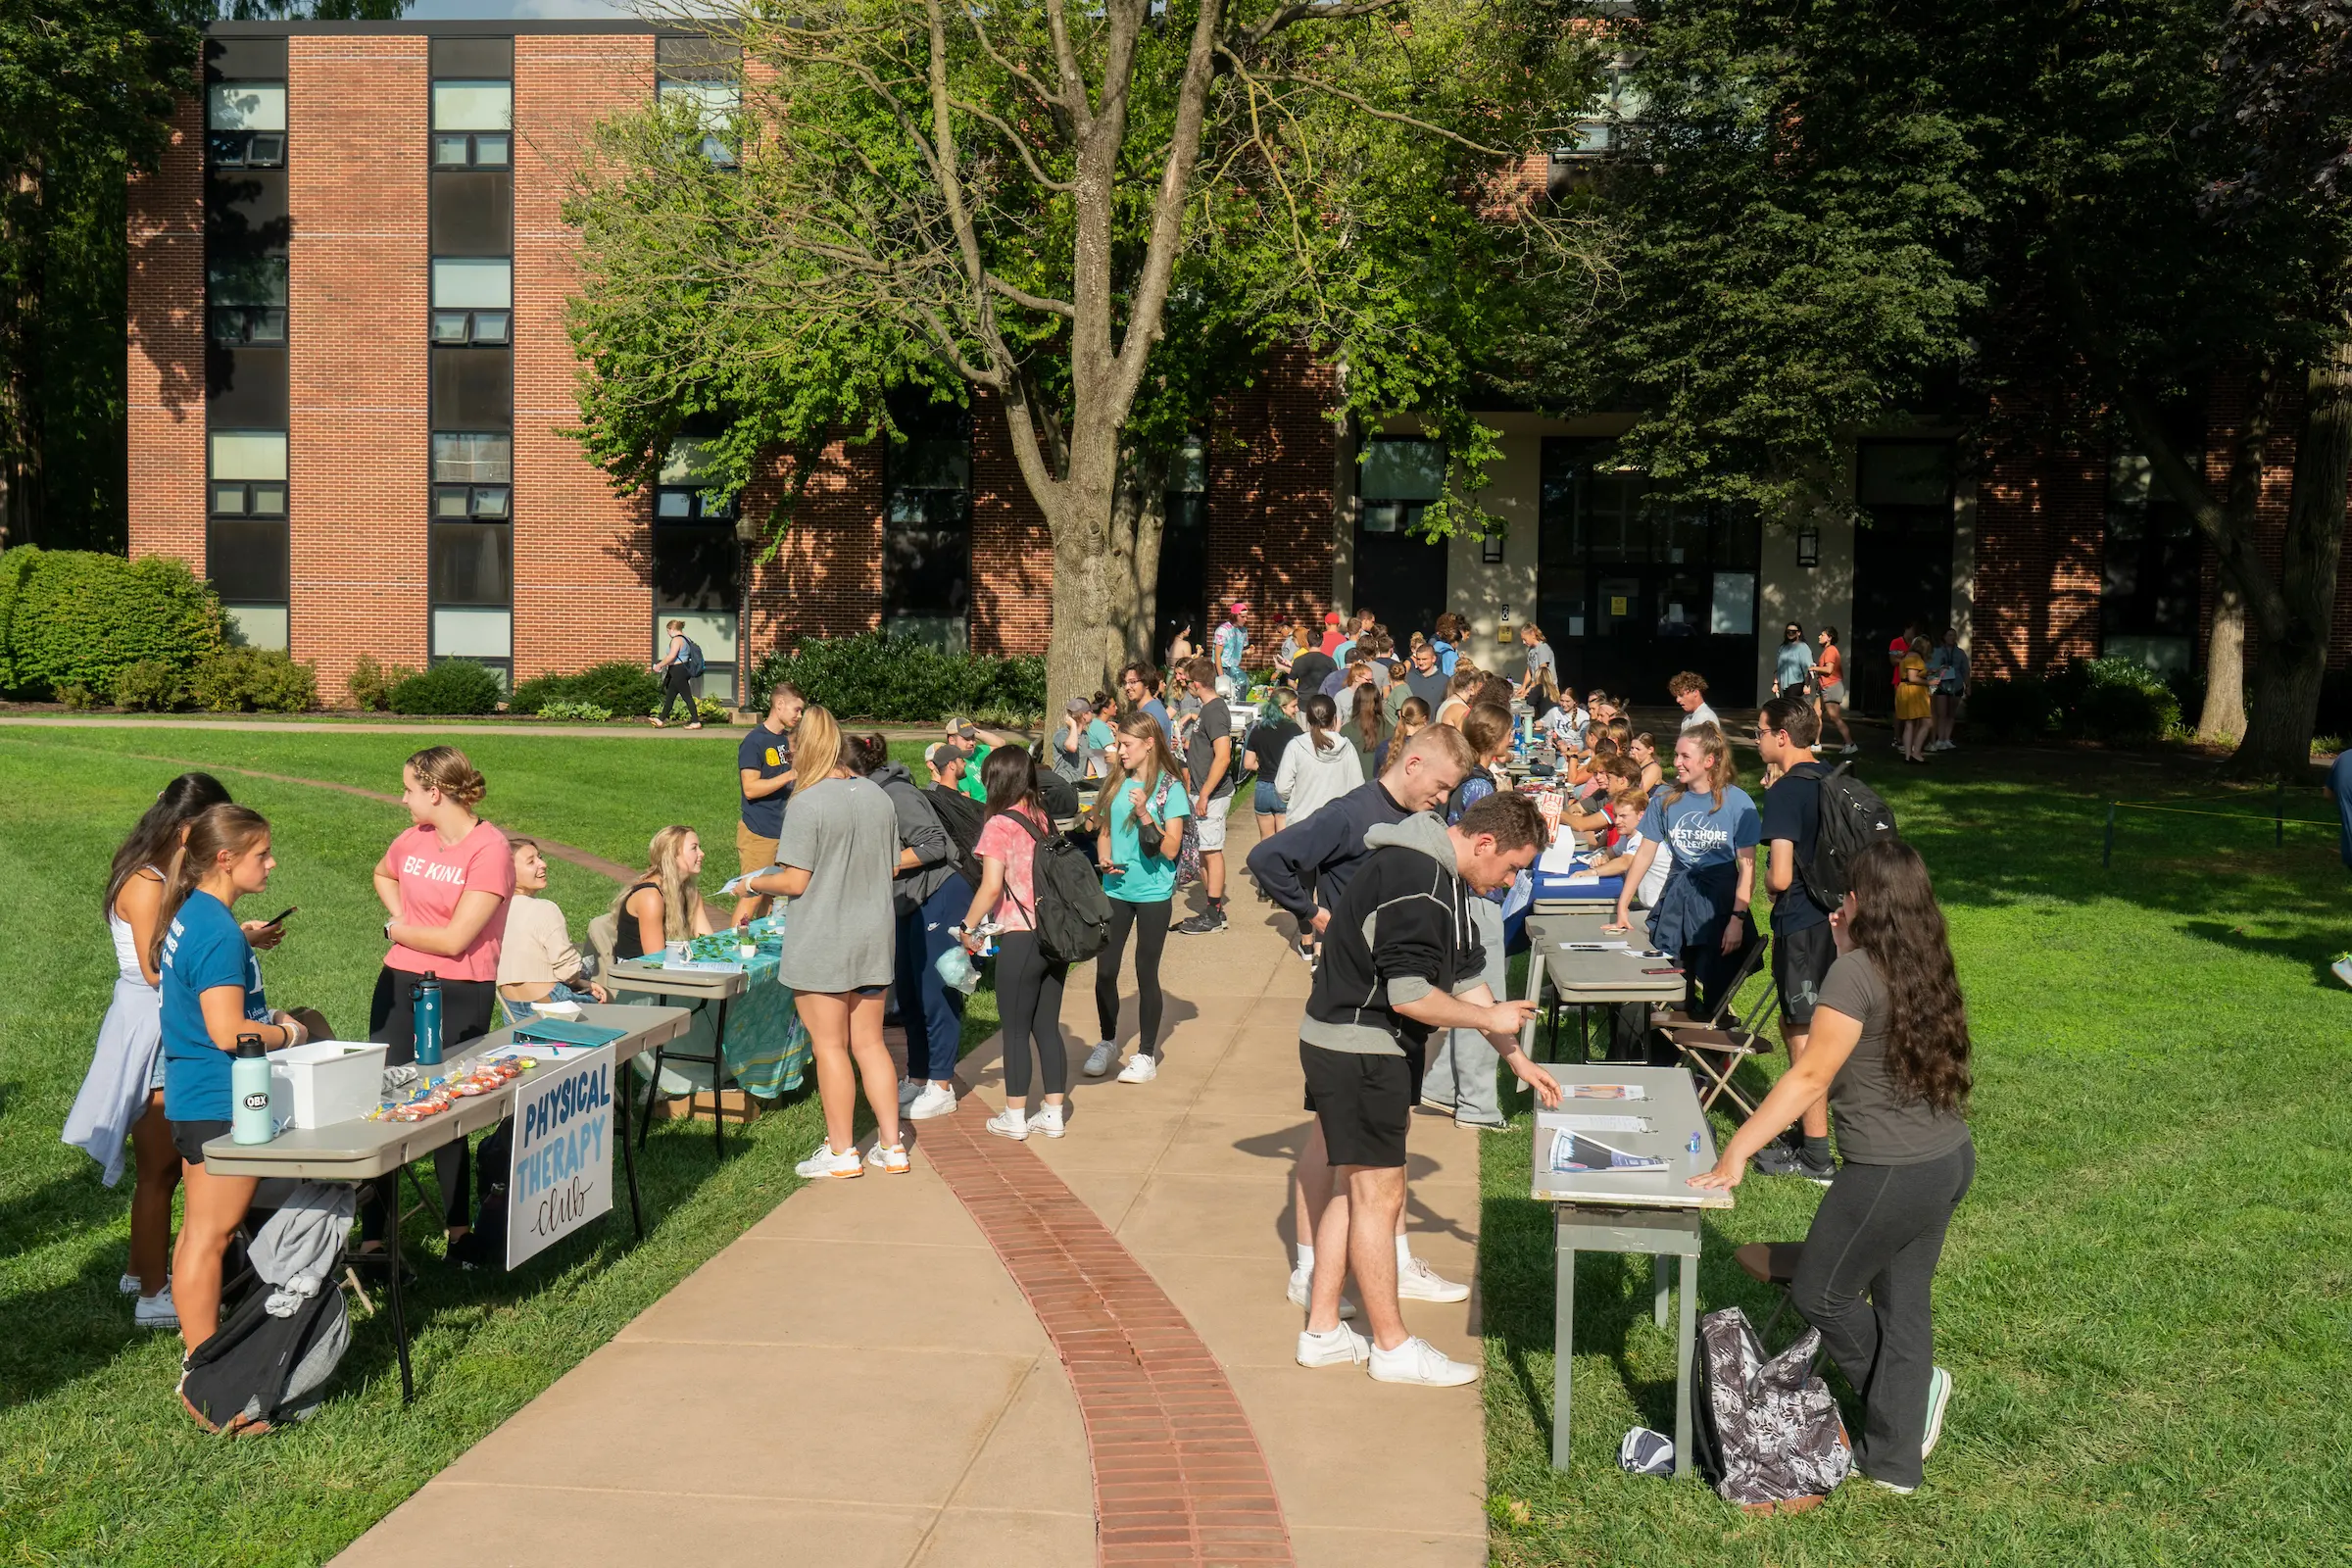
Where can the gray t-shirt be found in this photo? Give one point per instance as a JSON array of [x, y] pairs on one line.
[[1876, 1126], [837, 936], [1539, 657], [1201, 751]]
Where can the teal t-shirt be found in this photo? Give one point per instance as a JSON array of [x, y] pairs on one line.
[[1097, 736], [1143, 878]]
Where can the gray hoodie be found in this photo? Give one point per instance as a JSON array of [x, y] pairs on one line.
[[1401, 930], [919, 830]]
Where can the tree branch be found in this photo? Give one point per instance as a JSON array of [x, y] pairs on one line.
[[1036, 302], [1020, 145], [1313, 10], [1364, 104]]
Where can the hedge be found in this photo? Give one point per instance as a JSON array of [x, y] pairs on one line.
[[453, 686], [78, 617], [621, 687], [897, 679], [252, 680]]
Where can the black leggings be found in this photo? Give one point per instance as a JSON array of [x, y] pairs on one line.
[[1150, 922], [676, 686], [1029, 1000], [465, 1014]]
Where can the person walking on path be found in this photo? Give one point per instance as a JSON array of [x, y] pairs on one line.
[[1828, 676], [1403, 961], [678, 669], [1028, 982], [1913, 703], [837, 861], [1143, 828], [1947, 685], [1802, 945], [1890, 1048], [1791, 662], [1265, 745], [1209, 775], [927, 894], [1317, 767], [763, 766]]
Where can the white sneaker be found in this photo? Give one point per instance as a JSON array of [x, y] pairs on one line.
[[908, 1088], [1341, 1347], [1417, 1361], [1098, 1059], [1140, 1069], [1302, 1280], [1416, 1281], [825, 1163], [129, 1285], [934, 1101], [1009, 1123], [1939, 1399], [890, 1159], [1848, 751], [156, 1311], [1047, 1121]]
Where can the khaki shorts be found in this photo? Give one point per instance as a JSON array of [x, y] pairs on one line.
[[1209, 827], [753, 852]]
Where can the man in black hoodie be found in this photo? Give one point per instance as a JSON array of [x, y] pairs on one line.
[[1402, 960]]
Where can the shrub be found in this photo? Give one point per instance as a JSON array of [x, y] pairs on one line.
[[619, 686], [77, 697], [2013, 710], [370, 684], [2115, 699], [253, 681], [879, 676], [453, 686], [710, 710], [565, 708], [150, 686], [75, 617]]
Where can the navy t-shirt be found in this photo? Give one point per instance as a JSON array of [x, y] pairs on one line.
[[768, 753], [1792, 811], [202, 949]]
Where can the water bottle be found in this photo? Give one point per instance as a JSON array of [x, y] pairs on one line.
[[249, 1120], [956, 968], [425, 1006]]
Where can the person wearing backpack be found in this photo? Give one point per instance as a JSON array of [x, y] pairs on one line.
[[679, 669], [1803, 946], [1028, 982], [1890, 1049], [1143, 814]]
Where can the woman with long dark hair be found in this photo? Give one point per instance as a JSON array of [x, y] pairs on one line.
[[1366, 728], [1028, 982], [1143, 813], [1890, 1049]]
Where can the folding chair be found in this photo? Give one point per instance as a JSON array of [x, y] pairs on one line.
[[1715, 1045], [1774, 1264]]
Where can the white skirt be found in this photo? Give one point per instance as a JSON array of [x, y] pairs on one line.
[[123, 1068]]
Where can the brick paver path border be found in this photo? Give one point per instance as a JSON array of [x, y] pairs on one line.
[[1179, 1477]]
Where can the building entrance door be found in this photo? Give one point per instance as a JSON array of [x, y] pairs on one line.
[[1398, 574], [1902, 559]]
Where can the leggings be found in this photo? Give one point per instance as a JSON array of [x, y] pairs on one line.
[[464, 1015], [676, 686], [1029, 1000], [1877, 1234], [1150, 921]]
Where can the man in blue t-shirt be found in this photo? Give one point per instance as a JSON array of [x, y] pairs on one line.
[[1140, 684], [763, 764], [1227, 643], [1803, 946]]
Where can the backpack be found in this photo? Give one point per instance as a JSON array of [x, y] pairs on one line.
[[258, 1371], [1768, 1434], [1072, 916], [692, 659], [1852, 819]]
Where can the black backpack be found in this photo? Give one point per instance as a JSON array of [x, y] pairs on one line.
[[692, 659], [1852, 819], [1073, 914]]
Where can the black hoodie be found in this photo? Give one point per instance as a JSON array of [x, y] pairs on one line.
[[1401, 930]]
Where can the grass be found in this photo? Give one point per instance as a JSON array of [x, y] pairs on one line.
[[2147, 1298], [98, 1464]]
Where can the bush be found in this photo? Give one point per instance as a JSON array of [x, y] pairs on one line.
[[76, 617], [253, 681], [619, 686], [2013, 710], [77, 697], [710, 710], [453, 686], [2115, 699], [567, 709], [879, 676], [370, 684], [149, 686]]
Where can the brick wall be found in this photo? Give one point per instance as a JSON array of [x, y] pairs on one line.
[[358, 443], [2042, 519], [1012, 549], [1270, 525], [583, 586], [164, 386], [826, 579]]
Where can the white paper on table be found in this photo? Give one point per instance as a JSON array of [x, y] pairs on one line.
[[1589, 1123], [1603, 1092], [1560, 857], [1597, 947]]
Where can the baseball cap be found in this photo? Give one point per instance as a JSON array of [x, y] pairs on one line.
[[1077, 705], [939, 753], [961, 729], [1242, 605], [1331, 618]]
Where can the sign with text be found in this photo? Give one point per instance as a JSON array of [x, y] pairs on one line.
[[562, 1176]]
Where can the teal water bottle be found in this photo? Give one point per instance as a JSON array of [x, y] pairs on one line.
[[424, 1006], [248, 1119]]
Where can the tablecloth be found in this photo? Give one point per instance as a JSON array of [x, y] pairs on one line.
[[768, 1048]]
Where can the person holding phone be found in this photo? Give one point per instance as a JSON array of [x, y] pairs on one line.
[[1710, 827], [1142, 827]]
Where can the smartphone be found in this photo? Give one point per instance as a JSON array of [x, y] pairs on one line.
[[279, 919]]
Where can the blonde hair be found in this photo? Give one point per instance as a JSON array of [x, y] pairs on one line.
[[1162, 764], [681, 895], [815, 746], [446, 768], [1722, 771]]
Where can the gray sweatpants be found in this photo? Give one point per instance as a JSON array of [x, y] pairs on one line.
[[1461, 1063]]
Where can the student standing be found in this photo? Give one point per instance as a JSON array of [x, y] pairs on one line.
[[1028, 982], [763, 764], [1828, 674], [1209, 774], [445, 883], [1542, 678], [927, 894], [1460, 1079], [1690, 692], [958, 813], [1890, 1048], [1791, 662], [1140, 684], [1461, 690], [1227, 645], [1269, 738], [1411, 720], [1364, 730], [678, 669], [1182, 647], [1912, 705], [537, 962], [1710, 827], [838, 858], [1143, 830], [1947, 681], [1803, 946], [1318, 766]]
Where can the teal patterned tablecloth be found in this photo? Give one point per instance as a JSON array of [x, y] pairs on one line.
[[768, 1048]]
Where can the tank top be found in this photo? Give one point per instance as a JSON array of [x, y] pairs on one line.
[[127, 947], [627, 944]]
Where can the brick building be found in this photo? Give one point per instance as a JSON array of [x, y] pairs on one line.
[[349, 375]]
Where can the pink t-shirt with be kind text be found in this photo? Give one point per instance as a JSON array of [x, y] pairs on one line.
[[432, 877]]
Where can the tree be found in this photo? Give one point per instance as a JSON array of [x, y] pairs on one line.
[[1093, 213]]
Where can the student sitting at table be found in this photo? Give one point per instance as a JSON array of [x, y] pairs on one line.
[[1588, 808], [537, 962], [1615, 854], [665, 904], [1644, 750]]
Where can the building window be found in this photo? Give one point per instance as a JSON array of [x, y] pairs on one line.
[[472, 475], [473, 282], [1401, 477], [700, 79], [927, 523], [1902, 555], [245, 535], [472, 150], [459, 327], [473, 106], [698, 563], [2148, 589], [1182, 593], [246, 123]]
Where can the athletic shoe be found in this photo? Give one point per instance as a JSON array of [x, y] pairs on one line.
[[1819, 1172], [1939, 1397], [1049, 1121], [1341, 1347], [908, 1088], [1776, 1158], [1477, 1126], [1098, 1059], [934, 1101], [890, 1159], [1011, 1123], [1849, 750], [1416, 1281], [1207, 923], [1140, 1069], [1433, 1103], [825, 1163], [1302, 1280], [156, 1311], [128, 1284], [2341, 968], [1417, 1361], [1900, 1492]]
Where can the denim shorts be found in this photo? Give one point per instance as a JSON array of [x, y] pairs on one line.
[[1267, 802]]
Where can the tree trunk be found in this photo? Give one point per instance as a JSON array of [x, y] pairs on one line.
[[2224, 715], [2294, 655], [1139, 512]]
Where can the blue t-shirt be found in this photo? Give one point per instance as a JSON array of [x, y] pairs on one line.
[[769, 754], [1143, 878], [1160, 715], [1699, 832], [1792, 666], [1097, 736], [202, 949]]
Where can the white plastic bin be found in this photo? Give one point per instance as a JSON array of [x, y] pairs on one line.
[[326, 1082]]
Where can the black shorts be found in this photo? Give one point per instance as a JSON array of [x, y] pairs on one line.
[[190, 1137], [1364, 1102], [1800, 962]]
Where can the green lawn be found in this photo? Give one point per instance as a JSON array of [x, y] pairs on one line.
[[98, 1464], [2147, 1297]]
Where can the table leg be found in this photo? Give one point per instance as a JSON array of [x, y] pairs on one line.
[[1660, 1264], [718, 1078], [1685, 1337], [399, 1321], [1563, 1351], [628, 1156], [1534, 992], [653, 1092]]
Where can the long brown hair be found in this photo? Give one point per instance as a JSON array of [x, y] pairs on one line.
[[1162, 764], [154, 839], [211, 832], [1897, 922], [1722, 771], [1366, 716], [1322, 716]]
